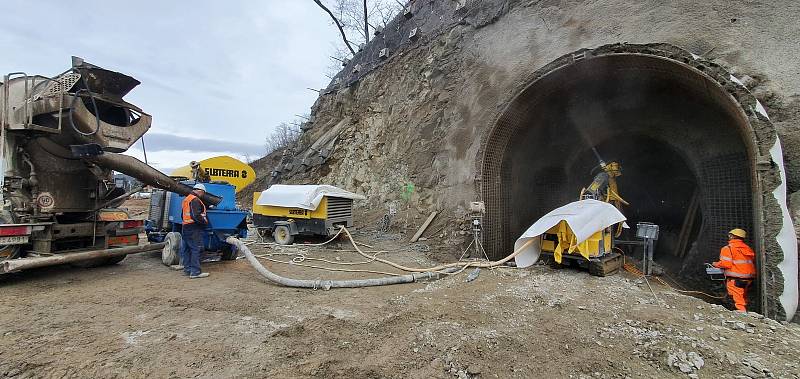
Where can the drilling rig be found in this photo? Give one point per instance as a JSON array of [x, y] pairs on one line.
[[60, 139]]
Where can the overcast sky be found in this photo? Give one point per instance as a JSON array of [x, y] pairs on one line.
[[223, 73]]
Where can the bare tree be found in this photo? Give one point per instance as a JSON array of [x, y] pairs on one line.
[[366, 22], [355, 18], [338, 25], [284, 135]]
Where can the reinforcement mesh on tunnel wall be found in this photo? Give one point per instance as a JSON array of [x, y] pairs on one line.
[[727, 201], [496, 194]]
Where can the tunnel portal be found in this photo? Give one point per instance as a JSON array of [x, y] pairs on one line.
[[682, 142]]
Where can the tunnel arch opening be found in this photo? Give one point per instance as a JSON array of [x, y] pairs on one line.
[[686, 145]]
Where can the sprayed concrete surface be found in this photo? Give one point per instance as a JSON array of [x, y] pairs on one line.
[[140, 319]]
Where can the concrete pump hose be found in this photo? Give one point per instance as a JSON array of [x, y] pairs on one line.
[[327, 284]]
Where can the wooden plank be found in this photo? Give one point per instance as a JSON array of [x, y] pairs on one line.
[[424, 226], [688, 225]]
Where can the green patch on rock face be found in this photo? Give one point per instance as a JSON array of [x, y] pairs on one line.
[[408, 191]]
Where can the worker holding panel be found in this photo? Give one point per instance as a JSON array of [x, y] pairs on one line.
[[738, 262], [194, 224]]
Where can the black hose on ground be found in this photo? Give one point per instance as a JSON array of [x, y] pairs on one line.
[[328, 284]]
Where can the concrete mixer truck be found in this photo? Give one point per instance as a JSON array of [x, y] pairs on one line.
[[60, 139]]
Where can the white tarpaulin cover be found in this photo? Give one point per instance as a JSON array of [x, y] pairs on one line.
[[585, 217], [301, 196]]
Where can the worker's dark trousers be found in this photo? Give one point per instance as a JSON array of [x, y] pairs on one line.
[[191, 248]]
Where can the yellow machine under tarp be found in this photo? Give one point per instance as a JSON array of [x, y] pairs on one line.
[[561, 240], [222, 168], [580, 232], [597, 250]]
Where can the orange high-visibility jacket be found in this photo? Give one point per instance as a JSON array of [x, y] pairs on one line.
[[738, 260], [186, 205]]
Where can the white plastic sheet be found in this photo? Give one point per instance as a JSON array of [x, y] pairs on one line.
[[787, 238], [301, 196], [585, 217]]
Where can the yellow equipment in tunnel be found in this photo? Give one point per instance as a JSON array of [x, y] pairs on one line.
[[561, 240], [596, 250]]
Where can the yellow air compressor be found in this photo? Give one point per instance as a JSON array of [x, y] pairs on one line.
[[286, 211]]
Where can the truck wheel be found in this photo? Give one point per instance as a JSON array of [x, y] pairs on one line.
[[282, 235], [228, 253], [170, 255], [9, 252]]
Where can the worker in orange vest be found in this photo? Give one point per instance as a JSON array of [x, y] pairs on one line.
[[194, 225], [738, 262]]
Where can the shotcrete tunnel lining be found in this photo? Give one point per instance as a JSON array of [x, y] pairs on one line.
[[536, 157]]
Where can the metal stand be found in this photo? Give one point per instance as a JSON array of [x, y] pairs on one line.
[[649, 233], [647, 261], [477, 210], [476, 240]]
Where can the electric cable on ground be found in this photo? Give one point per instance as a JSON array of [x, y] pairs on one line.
[[416, 273], [291, 263], [300, 258], [462, 265], [633, 270]]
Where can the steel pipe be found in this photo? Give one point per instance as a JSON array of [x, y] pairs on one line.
[[13, 265]]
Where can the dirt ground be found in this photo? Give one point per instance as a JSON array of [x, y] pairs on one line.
[[137, 208], [141, 319]]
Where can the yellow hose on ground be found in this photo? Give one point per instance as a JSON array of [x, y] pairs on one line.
[[327, 268], [463, 265], [687, 291], [443, 269]]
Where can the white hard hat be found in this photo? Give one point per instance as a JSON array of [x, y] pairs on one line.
[[199, 186]]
